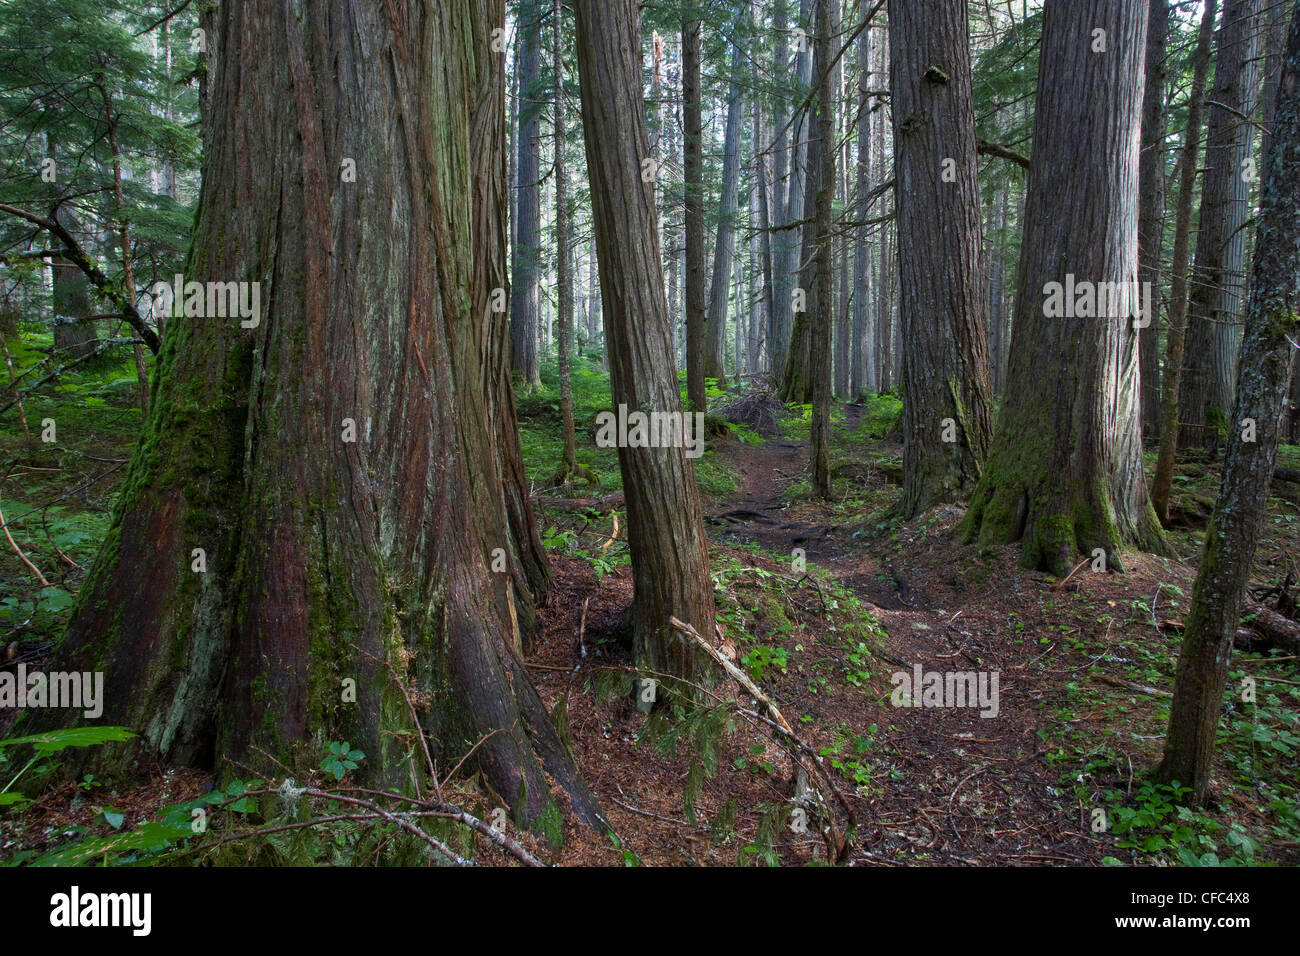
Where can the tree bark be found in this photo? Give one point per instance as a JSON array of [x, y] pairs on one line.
[[670, 559], [1065, 474], [563, 276], [947, 408], [350, 466], [1271, 326]]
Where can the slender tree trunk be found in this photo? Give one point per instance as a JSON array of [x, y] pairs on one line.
[[724, 248], [1065, 474], [778, 332], [1271, 327], [670, 558], [797, 207], [693, 185], [821, 155], [863, 358], [1151, 221], [524, 304], [947, 408], [563, 278], [359, 474], [764, 235], [1176, 335], [1216, 272]]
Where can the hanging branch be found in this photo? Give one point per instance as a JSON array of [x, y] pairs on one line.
[[77, 256]]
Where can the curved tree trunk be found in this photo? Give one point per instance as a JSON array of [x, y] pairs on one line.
[[947, 407], [349, 467], [670, 557], [1065, 474], [1271, 327]]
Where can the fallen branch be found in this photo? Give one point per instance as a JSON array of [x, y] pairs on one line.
[[740, 676], [19, 551], [1129, 685]]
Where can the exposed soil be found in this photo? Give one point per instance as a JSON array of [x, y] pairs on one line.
[[938, 785]]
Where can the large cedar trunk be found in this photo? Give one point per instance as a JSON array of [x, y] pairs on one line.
[[1214, 305], [820, 321], [947, 408], [1065, 473], [1271, 328], [670, 558], [351, 464]]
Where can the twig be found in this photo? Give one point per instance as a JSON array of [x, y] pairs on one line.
[[19, 551]]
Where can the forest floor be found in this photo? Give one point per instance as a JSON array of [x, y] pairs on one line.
[[1085, 670], [823, 603]]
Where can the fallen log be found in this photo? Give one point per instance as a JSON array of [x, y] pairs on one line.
[[602, 505], [1275, 630]]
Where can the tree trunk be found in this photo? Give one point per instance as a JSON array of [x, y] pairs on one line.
[[725, 248], [764, 238], [1230, 541], [693, 185], [354, 471], [1151, 221], [778, 331], [1176, 336], [822, 153], [524, 305], [789, 252], [947, 409], [670, 558], [1214, 306], [1065, 474], [563, 278], [863, 358]]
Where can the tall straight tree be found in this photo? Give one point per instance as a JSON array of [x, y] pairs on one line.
[[1272, 328], [863, 362], [563, 271], [693, 187], [947, 407], [725, 247], [820, 321], [1065, 473], [323, 496], [1151, 219], [670, 558], [1176, 336], [525, 253], [1218, 271]]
